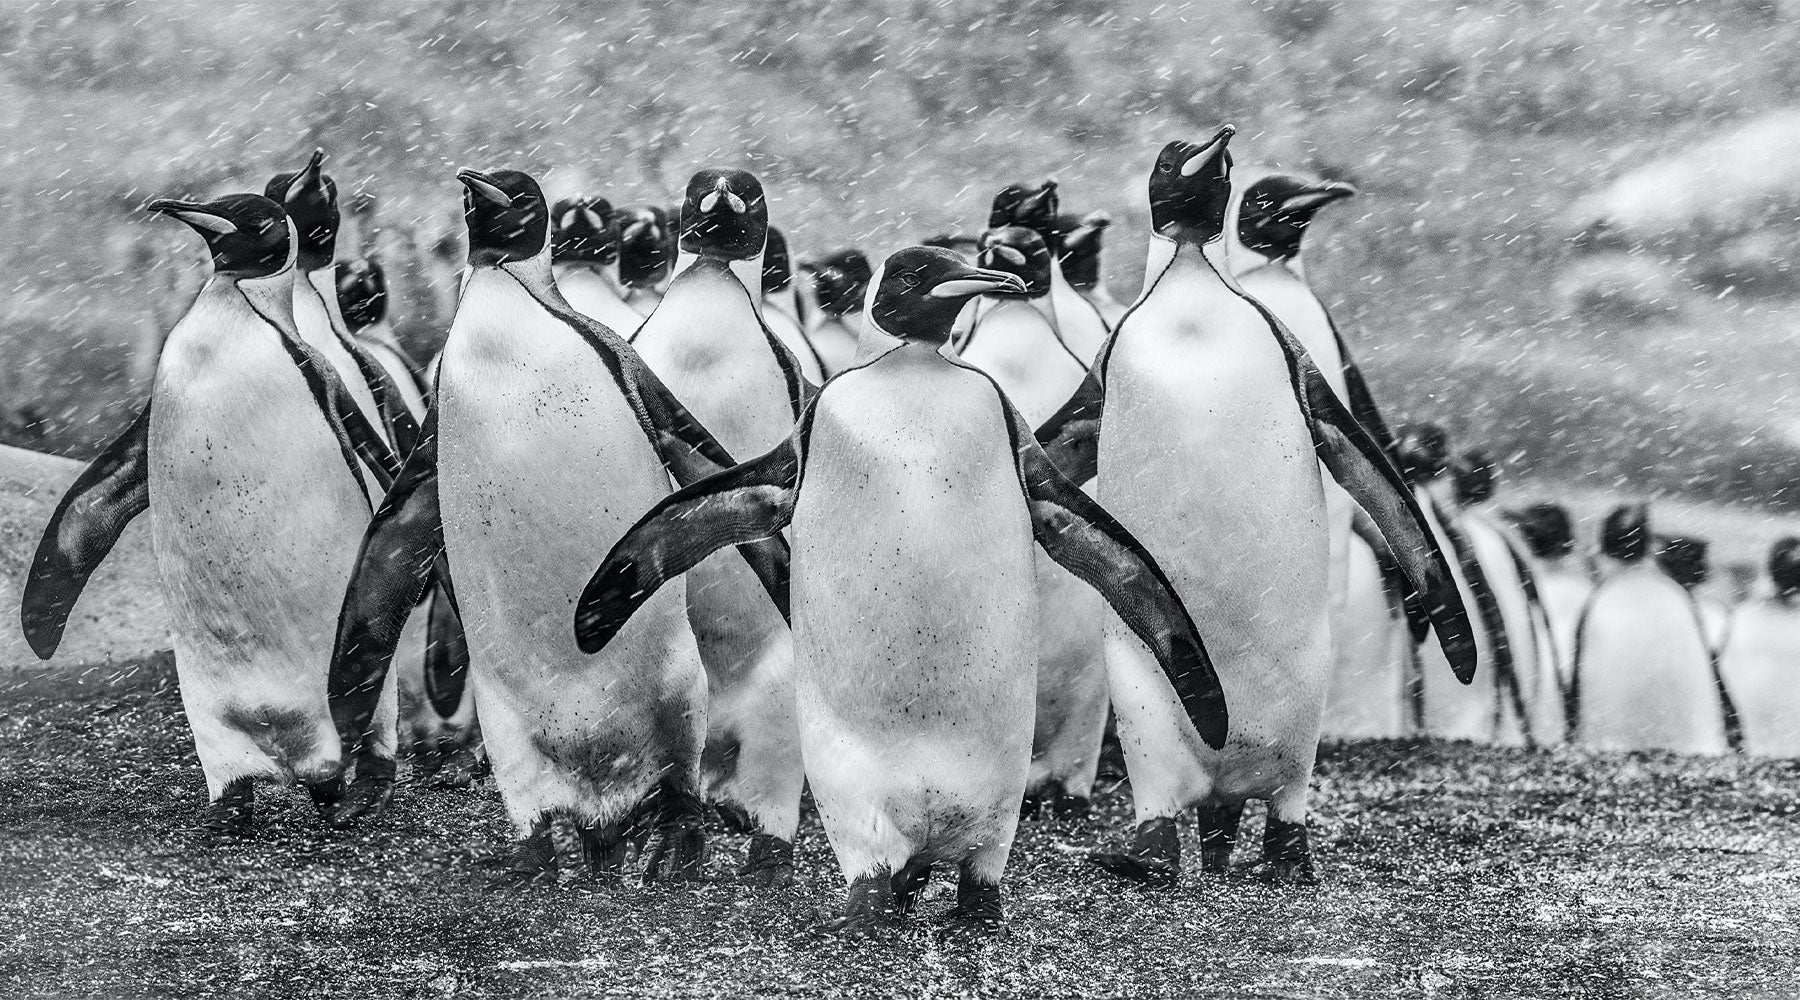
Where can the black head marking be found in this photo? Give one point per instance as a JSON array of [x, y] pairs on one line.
[[1190, 188], [778, 267], [362, 293], [247, 233], [840, 281], [1684, 559], [1784, 566], [1021, 253], [645, 254], [507, 217], [724, 215], [1424, 452], [922, 289], [581, 231], [1547, 530], [1476, 474], [1033, 206], [309, 197], [1626, 534], [1278, 208], [1081, 237]]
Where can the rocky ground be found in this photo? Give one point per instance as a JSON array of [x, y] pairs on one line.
[[1450, 871]]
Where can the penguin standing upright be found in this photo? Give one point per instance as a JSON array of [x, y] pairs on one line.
[[1565, 578], [1762, 658], [1202, 382], [584, 254], [781, 306], [250, 457], [840, 283], [362, 298], [1684, 559], [645, 258], [546, 435], [1082, 236], [915, 491], [1019, 348], [1035, 208], [1642, 676], [708, 342]]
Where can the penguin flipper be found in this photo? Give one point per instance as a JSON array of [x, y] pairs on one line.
[[109, 493], [401, 550], [1084, 539], [1071, 437], [1361, 401], [1393, 578], [403, 430], [746, 503], [446, 655]]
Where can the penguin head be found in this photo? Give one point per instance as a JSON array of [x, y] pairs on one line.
[[309, 197], [580, 232], [778, 267], [920, 291], [1476, 474], [1081, 247], [644, 252], [1021, 253], [1190, 188], [1784, 567], [1684, 559], [1424, 452], [1626, 534], [248, 234], [1547, 530], [840, 281], [1277, 209], [1032, 206], [362, 293], [507, 217], [724, 215]]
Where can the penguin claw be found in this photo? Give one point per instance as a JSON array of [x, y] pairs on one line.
[[367, 796], [1290, 871], [1143, 871]]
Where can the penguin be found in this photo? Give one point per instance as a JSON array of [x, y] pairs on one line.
[[584, 255], [1565, 577], [1373, 655], [707, 341], [781, 306], [1035, 208], [1643, 679], [545, 435], [1019, 348], [1199, 377], [1684, 559], [1082, 238], [645, 257], [840, 284], [1760, 657], [439, 735], [250, 457], [914, 491]]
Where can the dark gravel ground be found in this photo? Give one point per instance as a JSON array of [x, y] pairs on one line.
[[1449, 871]]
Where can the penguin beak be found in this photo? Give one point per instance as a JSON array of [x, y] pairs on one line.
[[482, 185], [1004, 252], [1318, 196], [730, 197], [201, 217], [1209, 152], [975, 281], [308, 177], [1039, 199], [635, 230], [592, 218]]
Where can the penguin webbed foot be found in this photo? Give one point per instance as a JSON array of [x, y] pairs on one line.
[[1154, 858], [1218, 835], [230, 814], [869, 908], [769, 864], [908, 882], [457, 768], [677, 851], [1055, 802], [1287, 854], [367, 795], [978, 912]]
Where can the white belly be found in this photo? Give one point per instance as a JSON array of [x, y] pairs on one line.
[[1368, 681], [593, 297], [1644, 674], [1761, 665]]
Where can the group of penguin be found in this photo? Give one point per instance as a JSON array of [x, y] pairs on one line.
[[943, 523]]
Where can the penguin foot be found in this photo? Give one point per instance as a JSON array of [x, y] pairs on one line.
[[677, 854], [869, 907], [533, 862], [908, 882], [978, 911], [1287, 853], [770, 862], [1154, 857], [231, 813], [1054, 800], [455, 769], [1218, 834], [368, 793], [325, 794]]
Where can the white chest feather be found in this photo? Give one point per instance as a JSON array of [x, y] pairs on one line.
[[1017, 346]]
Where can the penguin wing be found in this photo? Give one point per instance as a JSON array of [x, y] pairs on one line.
[[742, 504], [1357, 463], [1393, 578], [402, 429], [1487, 605], [1071, 437], [800, 388], [112, 490], [446, 655], [1084, 539], [401, 549], [1361, 401]]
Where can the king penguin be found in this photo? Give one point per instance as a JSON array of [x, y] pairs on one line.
[[840, 284], [781, 306], [1035, 208], [1082, 238], [1643, 679], [645, 258], [915, 491], [1565, 578], [1017, 345], [250, 457], [708, 342], [1199, 377], [1762, 657], [584, 254], [546, 435], [362, 297]]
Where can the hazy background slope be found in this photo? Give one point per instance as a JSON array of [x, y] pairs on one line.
[[1654, 352]]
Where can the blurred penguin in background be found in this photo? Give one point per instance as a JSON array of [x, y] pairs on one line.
[[362, 294], [840, 282], [1761, 660], [1565, 576], [1643, 676], [781, 307], [646, 256], [584, 255], [1684, 558], [1082, 237], [1034, 206]]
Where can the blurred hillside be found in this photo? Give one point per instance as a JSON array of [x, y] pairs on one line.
[[1485, 135]]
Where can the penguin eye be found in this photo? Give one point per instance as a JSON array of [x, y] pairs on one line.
[[1165, 167], [910, 280]]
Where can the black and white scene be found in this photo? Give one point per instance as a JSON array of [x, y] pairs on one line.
[[1284, 499]]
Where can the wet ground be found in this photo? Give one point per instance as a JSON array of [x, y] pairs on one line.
[[1449, 871]]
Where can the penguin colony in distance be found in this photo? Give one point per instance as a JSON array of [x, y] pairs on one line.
[[937, 518]]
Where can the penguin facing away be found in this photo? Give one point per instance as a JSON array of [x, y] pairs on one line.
[[1760, 659], [1035, 208], [1082, 239], [362, 299], [584, 255], [1017, 345], [250, 458], [1564, 577], [707, 341], [645, 256], [914, 491], [545, 434], [781, 306], [840, 284], [1200, 377]]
